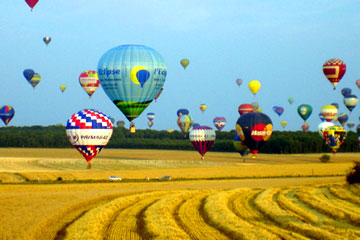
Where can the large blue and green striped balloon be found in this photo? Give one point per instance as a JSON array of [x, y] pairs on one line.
[[132, 76]]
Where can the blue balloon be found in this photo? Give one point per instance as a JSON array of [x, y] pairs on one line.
[[132, 76], [346, 91], [182, 111], [28, 74]]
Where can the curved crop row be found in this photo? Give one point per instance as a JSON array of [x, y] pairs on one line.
[[344, 194]]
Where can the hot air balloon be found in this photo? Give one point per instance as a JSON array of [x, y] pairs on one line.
[[334, 69], [350, 102], [334, 136], [305, 127], [254, 86], [182, 111], [256, 105], [321, 117], [254, 129], [203, 107], [240, 147], [346, 91], [31, 3], [150, 116], [342, 118], [112, 120], [184, 62], [258, 110], [239, 81], [202, 138], [62, 87], [335, 105], [219, 122], [322, 126], [47, 40], [357, 82], [89, 81], [328, 112], [184, 122], [278, 110], [28, 74], [6, 113], [150, 123], [350, 125], [245, 108], [158, 95], [35, 80], [291, 100], [283, 123], [132, 76], [194, 125], [89, 131], [304, 110], [120, 123]]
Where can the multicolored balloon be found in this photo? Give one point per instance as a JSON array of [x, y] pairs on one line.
[[89, 81], [283, 123], [35, 80], [305, 127], [278, 110], [342, 118], [89, 131], [256, 105], [120, 123], [254, 86], [239, 81], [203, 107], [334, 136], [184, 62], [6, 113], [254, 129], [132, 76], [150, 123], [31, 3], [47, 40], [240, 147], [202, 138], [304, 110], [322, 126], [328, 112], [290, 100], [346, 91], [150, 116], [62, 88], [350, 125], [350, 102], [334, 69], [245, 108], [219, 122], [184, 122], [182, 111]]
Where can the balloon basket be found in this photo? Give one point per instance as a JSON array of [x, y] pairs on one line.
[[89, 166], [202, 158], [253, 156], [132, 128]]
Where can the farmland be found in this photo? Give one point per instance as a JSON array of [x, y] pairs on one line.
[[270, 197]]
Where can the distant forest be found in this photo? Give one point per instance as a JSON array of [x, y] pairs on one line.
[[280, 141]]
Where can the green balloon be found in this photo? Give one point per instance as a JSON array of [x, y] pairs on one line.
[[291, 100], [304, 111]]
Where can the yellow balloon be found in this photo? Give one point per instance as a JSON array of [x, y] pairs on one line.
[[283, 123], [62, 87], [184, 62], [254, 86]]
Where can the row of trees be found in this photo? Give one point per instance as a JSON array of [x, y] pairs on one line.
[[280, 141]]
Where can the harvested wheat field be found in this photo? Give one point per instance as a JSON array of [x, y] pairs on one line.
[[270, 197]]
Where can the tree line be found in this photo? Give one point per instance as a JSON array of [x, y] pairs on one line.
[[280, 141]]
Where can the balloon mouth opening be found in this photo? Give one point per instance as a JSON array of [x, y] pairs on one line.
[[254, 152]]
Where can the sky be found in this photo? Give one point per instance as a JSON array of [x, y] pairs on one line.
[[283, 44]]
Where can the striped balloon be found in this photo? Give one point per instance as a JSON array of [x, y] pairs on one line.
[[202, 138]]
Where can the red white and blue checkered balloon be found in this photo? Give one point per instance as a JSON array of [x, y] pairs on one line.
[[89, 131]]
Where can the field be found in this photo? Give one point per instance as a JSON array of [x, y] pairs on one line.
[[269, 197]]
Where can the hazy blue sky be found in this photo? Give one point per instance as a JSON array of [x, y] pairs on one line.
[[283, 44]]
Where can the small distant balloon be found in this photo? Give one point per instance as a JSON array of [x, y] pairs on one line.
[[283, 123], [305, 127], [6, 113], [150, 116], [31, 3], [304, 110], [120, 123], [184, 122], [219, 122], [245, 108], [239, 81], [328, 112], [62, 88], [34, 81], [28, 74], [47, 40], [357, 82], [351, 101], [184, 62], [150, 123], [346, 91], [203, 107], [256, 105], [343, 118], [89, 81], [334, 69], [278, 110], [350, 125], [254, 86], [291, 100]]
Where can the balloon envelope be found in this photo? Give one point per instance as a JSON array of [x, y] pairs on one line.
[[34, 81], [278, 110], [304, 110], [305, 127], [202, 138], [132, 76], [254, 86], [89, 131], [219, 122], [328, 112], [203, 107], [150, 123], [245, 108], [322, 126], [336, 105], [239, 81], [254, 129], [182, 111], [28, 74], [350, 125], [31, 3], [334, 69], [47, 40], [342, 118], [120, 123], [62, 87], [184, 62], [6, 113], [283, 123], [150, 116], [89, 81], [184, 122], [346, 91], [334, 136], [291, 100], [240, 147], [350, 102]]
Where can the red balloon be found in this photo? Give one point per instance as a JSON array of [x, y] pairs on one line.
[[31, 3], [334, 69], [245, 108]]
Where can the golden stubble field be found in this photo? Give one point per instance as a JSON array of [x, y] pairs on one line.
[[270, 197]]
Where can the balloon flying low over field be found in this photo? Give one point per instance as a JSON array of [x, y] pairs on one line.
[[89, 131], [202, 138]]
